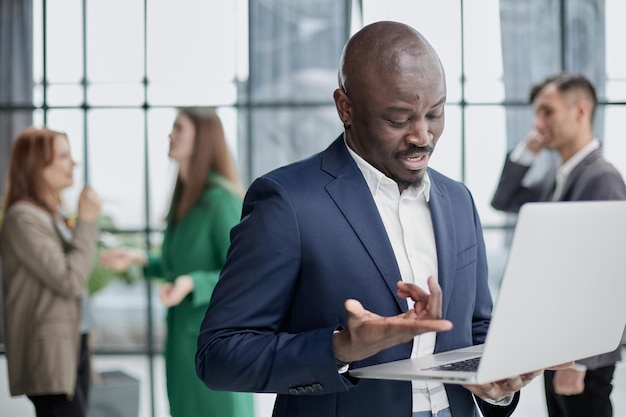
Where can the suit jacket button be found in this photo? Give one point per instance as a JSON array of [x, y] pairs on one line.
[[317, 387], [309, 389], [301, 390], [293, 391]]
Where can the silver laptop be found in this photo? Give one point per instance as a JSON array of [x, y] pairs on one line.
[[562, 298]]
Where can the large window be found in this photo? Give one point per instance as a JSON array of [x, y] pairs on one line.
[[111, 79]]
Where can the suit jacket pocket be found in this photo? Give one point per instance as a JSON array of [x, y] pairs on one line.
[[466, 257], [54, 352]]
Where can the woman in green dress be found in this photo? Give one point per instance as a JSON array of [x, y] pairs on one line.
[[206, 204]]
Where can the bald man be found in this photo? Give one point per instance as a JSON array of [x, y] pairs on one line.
[[564, 107], [358, 255]]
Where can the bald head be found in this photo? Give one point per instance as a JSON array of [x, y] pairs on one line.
[[383, 49], [391, 100]]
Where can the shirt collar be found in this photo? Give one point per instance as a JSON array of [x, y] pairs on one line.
[[376, 179], [566, 168]]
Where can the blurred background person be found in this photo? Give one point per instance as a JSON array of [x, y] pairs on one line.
[[565, 106], [46, 262], [205, 205]]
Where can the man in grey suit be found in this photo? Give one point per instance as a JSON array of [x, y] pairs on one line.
[[564, 107]]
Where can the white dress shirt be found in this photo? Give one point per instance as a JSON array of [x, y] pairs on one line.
[[409, 227]]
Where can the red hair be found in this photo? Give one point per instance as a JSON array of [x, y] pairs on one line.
[[31, 152]]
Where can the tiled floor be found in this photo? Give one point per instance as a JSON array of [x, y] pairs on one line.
[[531, 405]]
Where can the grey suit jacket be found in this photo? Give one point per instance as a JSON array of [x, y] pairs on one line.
[[593, 179], [43, 279]]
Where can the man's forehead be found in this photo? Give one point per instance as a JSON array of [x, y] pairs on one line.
[[550, 95]]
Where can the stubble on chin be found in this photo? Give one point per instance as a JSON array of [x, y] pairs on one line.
[[404, 185]]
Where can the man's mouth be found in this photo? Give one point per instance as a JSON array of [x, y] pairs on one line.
[[415, 162]]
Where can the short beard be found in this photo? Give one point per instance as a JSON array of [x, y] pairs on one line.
[[408, 184]]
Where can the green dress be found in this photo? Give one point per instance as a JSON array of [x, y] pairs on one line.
[[197, 245]]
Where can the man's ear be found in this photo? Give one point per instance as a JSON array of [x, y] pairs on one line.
[[344, 107], [583, 109]]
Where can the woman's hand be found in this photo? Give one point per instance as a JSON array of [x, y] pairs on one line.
[[120, 260], [88, 205], [172, 293]]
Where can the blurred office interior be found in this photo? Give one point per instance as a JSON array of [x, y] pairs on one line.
[[112, 73]]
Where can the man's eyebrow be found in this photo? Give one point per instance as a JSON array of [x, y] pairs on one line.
[[440, 102], [401, 109], [398, 109], [543, 106]]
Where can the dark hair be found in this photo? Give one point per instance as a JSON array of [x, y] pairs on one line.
[[32, 151], [566, 82], [210, 154]]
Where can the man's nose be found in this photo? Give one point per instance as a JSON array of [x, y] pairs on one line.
[[420, 134]]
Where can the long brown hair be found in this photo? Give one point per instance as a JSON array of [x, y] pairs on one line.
[[210, 154], [31, 152]]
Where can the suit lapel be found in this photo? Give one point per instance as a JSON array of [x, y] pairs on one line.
[[577, 172], [443, 224], [352, 196], [548, 186]]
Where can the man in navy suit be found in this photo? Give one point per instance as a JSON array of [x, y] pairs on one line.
[[564, 107], [358, 255]]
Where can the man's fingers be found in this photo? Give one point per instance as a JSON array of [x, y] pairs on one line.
[[530, 376], [354, 307], [561, 366], [411, 290], [412, 325], [429, 304], [515, 384], [355, 310], [435, 299], [438, 325]]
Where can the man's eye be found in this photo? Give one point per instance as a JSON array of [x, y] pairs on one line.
[[435, 116], [396, 123]]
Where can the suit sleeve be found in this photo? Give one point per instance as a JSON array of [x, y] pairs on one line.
[[489, 410], [510, 193], [224, 211], [483, 302], [38, 247], [243, 345], [605, 184]]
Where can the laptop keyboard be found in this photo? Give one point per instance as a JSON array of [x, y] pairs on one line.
[[464, 365]]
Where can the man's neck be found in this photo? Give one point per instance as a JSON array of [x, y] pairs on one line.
[[566, 152]]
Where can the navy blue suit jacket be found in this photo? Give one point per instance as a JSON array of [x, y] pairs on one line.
[[310, 238]]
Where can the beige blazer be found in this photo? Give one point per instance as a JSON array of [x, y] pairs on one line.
[[43, 280]]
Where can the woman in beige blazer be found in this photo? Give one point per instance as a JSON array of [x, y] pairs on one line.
[[45, 265]]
